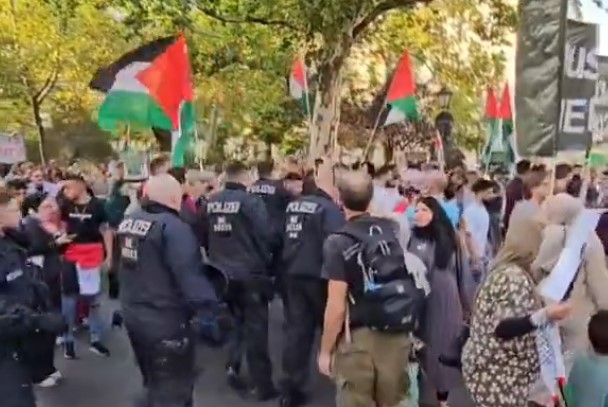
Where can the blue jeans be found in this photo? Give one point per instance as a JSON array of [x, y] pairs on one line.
[[69, 311]]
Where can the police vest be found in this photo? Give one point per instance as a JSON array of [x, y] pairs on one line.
[[131, 232]]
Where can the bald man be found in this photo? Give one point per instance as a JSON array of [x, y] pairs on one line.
[[162, 288]]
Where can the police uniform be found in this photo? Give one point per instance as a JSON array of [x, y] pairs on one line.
[[276, 198], [239, 246], [24, 317], [309, 220], [162, 288]]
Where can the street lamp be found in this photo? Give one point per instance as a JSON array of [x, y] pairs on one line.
[[444, 96]]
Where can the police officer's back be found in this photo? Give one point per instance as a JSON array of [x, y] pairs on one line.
[[24, 313], [239, 246], [162, 288], [309, 220], [239, 232], [275, 197]]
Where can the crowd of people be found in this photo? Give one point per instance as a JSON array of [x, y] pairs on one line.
[[395, 267]]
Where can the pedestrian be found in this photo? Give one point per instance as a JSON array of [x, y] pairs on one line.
[[501, 359], [434, 241], [477, 221], [515, 190], [86, 222], [365, 343], [588, 379], [162, 287]]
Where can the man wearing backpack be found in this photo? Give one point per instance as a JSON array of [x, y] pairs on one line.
[[373, 304]]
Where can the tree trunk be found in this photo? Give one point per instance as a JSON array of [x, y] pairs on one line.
[[40, 128], [268, 151], [325, 117]]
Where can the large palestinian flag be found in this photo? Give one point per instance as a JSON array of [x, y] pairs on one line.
[[401, 96], [491, 115], [506, 114], [150, 86]]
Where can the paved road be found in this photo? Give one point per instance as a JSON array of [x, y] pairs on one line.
[[92, 381]]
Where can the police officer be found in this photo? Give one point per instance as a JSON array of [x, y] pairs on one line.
[[162, 289], [24, 313], [309, 220], [275, 197], [239, 246]]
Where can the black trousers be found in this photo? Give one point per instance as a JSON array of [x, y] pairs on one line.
[[248, 302], [16, 389], [167, 367], [304, 315]]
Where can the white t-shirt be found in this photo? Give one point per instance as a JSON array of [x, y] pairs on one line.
[[477, 220]]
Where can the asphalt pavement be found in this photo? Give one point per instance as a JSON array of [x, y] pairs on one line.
[[94, 381]]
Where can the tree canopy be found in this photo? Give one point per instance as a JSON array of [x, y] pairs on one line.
[[241, 54]]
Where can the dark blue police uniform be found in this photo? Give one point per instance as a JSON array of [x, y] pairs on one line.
[[239, 245], [24, 316], [163, 287], [309, 220]]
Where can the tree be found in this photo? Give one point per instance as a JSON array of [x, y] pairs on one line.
[[47, 56]]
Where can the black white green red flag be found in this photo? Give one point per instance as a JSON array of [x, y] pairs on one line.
[[150, 86], [401, 96]]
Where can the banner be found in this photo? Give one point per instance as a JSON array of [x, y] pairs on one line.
[[538, 66], [599, 104], [136, 164], [578, 90], [12, 149]]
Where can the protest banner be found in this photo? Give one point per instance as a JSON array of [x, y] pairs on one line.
[[539, 61], [136, 164], [578, 87], [12, 148]]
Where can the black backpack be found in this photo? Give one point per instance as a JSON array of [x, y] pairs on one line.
[[391, 301]]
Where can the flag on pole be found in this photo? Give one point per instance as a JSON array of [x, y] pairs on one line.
[[150, 86], [298, 85], [491, 115], [401, 96], [506, 115]]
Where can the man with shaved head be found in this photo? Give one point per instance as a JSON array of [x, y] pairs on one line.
[[373, 303], [162, 288]]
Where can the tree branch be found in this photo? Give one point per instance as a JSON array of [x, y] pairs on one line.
[[50, 82], [246, 20], [381, 8]]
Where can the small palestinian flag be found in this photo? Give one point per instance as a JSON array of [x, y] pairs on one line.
[[506, 114], [401, 96], [298, 85], [150, 86], [493, 120]]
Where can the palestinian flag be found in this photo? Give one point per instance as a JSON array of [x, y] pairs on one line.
[[298, 85], [493, 120], [150, 86], [401, 96], [506, 115]]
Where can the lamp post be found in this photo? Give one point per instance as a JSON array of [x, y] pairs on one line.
[[444, 121]]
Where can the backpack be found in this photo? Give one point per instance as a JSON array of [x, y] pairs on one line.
[[391, 301]]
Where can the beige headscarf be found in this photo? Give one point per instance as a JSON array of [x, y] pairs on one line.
[[562, 209], [521, 244]]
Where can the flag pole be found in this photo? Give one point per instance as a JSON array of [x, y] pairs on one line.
[[374, 130], [309, 112]]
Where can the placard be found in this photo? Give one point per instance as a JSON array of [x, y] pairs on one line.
[[12, 149]]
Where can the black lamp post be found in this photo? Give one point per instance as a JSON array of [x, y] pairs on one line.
[[444, 121], [445, 97]]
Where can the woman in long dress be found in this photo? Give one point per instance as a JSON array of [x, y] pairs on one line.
[[434, 242]]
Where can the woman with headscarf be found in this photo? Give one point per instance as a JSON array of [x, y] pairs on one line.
[[500, 360], [434, 242], [589, 292]]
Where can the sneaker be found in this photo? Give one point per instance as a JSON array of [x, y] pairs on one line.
[[235, 381], [99, 349], [48, 382], [68, 350]]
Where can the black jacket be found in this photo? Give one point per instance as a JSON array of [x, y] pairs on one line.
[[276, 198], [310, 219], [239, 235], [162, 284]]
